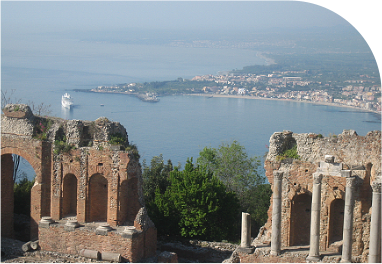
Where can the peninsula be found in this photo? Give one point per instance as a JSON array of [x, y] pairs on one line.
[[333, 81]]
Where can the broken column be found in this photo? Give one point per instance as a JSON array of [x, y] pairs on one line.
[[314, 254], [348, 216], [276, 213], [246, 233], [375, 225]]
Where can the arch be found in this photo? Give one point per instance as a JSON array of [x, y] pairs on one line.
[[98, 198], [300, 219], [129, 200], [69, 195], [336, 220]]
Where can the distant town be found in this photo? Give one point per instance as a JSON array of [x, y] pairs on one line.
[[360, 93], [363, 92]]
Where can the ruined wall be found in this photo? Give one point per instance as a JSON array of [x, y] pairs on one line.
[[85, 170], [360, 154]]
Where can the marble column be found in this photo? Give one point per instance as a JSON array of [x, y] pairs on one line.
[[314, 254], [245, 245], [348, 217], [375, 225], [245, 230], [276, 213]]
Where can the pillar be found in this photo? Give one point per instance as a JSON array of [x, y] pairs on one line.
[[375, 225], [348, 217], [276, 213], [314, 254], [245, 245], [245, 230]]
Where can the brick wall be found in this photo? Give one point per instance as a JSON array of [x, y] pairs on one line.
[[140, 245], [7, 199], [361, 154]]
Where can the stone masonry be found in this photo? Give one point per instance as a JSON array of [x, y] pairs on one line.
[[88, 177], [343, 167]]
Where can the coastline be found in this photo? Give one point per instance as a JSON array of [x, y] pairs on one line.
[[245, 97], [281, 99], [268, 61]]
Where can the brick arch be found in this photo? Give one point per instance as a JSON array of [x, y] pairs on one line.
[[29, 155], [69, 195], [300, 219], [98, 198], [37, 153]]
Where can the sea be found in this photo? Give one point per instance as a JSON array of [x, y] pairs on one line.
[[41, 70]]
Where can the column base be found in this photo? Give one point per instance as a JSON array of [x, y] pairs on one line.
[[345, 261], [247, 250], [313, 258], [275, 253]]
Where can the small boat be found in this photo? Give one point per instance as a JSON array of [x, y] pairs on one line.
[[102, 105], [66, 101]]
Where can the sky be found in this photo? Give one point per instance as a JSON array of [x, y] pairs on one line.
[[86, 15]]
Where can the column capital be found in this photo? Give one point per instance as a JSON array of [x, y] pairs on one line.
[[278, 175], [317, 178], [376, 186], [350, 181]]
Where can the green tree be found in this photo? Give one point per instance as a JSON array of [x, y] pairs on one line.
[[155, 176], [196, 204], [231, 164]]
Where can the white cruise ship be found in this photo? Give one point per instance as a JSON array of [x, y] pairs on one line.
[[66, 100]]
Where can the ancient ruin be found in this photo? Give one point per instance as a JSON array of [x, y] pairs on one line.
[[326, 199], [87, 198], [87, 194]]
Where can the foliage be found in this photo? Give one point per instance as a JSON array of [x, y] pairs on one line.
[[41, 129], [61, 146], [196, 205], [156, 176], [231, 164], [289, 153], [132, 149], [22, 195], [257, 202], [117, 139]]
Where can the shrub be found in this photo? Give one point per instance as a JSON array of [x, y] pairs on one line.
[[289, 153], [196, 205]]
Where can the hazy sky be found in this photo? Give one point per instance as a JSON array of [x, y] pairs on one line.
[[41, 16]]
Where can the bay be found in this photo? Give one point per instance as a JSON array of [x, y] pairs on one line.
[[178, 126]]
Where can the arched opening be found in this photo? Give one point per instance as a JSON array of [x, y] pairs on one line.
[[69, 196], [300, 220], [98, 198], [336, 220], [17, 179], [129, 200]]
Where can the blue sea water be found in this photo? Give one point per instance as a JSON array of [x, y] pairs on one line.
[[177, 126]]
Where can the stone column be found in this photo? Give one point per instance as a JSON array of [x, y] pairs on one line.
[[348, 216], [314, 254], [276, 213], [246, 234], [375, 225], [245, 230]]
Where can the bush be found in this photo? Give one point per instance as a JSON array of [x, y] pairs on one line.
[[196, 205], [289, 153]]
